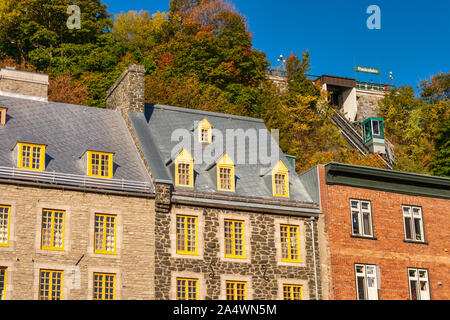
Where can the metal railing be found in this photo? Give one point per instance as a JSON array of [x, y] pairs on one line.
[[373, 86], [75, 180]]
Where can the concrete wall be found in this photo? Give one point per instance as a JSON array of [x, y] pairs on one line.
[[133, 262]]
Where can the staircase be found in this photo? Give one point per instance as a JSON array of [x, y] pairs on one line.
[[353, 135]]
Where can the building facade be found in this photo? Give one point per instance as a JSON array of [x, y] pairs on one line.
[[386, 234], [76, 203]]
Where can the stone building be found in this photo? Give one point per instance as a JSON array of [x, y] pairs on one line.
[[227, 226], [76, 202], [387, 234]]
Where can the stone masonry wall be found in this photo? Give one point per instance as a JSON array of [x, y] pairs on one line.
[[262, 268], [24, 88], [133, 262], [367, 102]]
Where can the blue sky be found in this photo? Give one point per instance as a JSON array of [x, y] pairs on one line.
[[413, 42]]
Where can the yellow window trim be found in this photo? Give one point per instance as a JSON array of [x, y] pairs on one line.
[[184, 158], [3, 289], [226, 163], [103, 284], [205, 125], [8, 208], [52, 230], [186, 234], [280, 169], [110, 155], [291, 287], [41, 147], [104, 251], [234, 288], [50, 289], [233, 239], [297, 232], [185, 287]]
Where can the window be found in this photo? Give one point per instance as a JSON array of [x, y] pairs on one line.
[[361, 214], [4, 225], [186, 234], [100, 164], [292, 292], [413, 222], [50, 285], [280, 180], [52, 230], [234, 239], [105, 233], [31, 156], [290, 243], [419, 288], [366, 282], [2, 283], [236, 290], [225, 174], [187, 289], [104, 286], [205, 132], [184, 170]]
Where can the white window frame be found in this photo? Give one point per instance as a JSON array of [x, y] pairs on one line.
[[413, 213], [360, 214], [370, 275], [420, 294]]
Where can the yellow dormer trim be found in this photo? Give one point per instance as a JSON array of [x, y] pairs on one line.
[[31, 156], [205, 132], [280, 180], [100, 164], [225, 174], [184, 169]]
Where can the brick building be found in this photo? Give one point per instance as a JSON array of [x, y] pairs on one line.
[[387, 234], [76, 203]]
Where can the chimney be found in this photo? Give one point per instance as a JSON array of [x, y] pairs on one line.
[[3, 111], [23, 84], [128, 92]]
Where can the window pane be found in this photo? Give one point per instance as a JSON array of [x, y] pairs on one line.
[[408, 228], [361, 288], [355, 222], [413, 285], [366, 221], [418, 229]]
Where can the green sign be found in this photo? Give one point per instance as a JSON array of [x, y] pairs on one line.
[[367, 70]]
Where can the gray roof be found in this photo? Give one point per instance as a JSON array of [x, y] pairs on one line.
[[68, 131], [154, 130]]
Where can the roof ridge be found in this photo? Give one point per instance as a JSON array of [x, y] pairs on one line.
[[197, 111]]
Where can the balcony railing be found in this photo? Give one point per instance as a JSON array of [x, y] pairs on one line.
[[373, 86], [74, 180]]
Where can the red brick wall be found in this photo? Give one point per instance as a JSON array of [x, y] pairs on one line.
[[389, 252]]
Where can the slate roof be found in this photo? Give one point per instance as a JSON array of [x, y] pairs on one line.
[[154, 129], [68, 131]]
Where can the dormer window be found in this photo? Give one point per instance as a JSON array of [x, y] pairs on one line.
[[184, 169], [100, 164], [280, 180], [225, 174], [31, 156], [3, 111], [205, 132]]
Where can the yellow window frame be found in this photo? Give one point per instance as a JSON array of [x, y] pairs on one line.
[[102, 288], [51, 288], [233, 286], [185, 288], [288, 242], [280, 169], [184, 158], [205, 125], [40, 159], [226, 163], [53, 216], [104, 234], [109, 164], [233, 238], [3, 278], [3, 224], [185, 235], [289, 292]]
